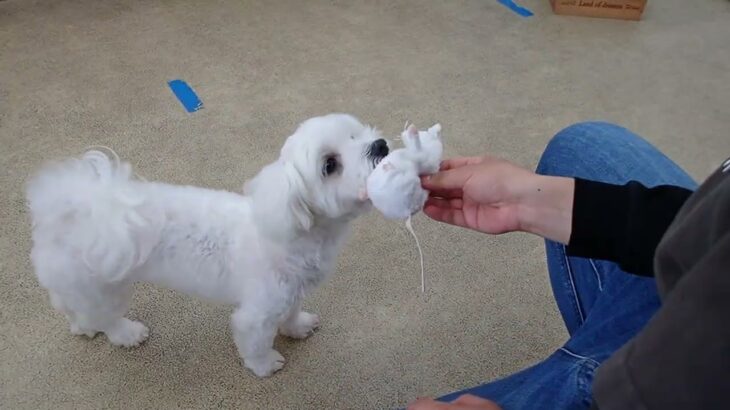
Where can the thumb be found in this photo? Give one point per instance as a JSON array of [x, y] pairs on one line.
[[449, 179]]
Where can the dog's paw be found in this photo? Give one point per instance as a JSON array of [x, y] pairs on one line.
[[265, 365], [127, 333], [301, 327], [79, 331]]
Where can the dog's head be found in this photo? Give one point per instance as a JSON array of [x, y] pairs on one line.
[[320, 175]]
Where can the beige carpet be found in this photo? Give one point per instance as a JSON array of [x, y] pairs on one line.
[[77, 73]]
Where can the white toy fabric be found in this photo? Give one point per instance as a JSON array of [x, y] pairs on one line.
[[394, 187]]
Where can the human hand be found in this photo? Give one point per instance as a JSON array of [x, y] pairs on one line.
[[465, 402], [480, 193], [494, 196]]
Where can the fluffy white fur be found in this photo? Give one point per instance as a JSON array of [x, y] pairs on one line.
[[394, 187], [97, 230]]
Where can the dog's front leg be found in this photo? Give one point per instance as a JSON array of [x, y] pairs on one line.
[[299, 324], [254, 330]]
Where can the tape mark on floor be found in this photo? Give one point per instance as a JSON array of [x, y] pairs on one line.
[[186, 95], [515, 7]]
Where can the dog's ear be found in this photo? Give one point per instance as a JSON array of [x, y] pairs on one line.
[[279, 200]]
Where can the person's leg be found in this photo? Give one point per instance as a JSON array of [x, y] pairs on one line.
[[602, 306], [606, 153]]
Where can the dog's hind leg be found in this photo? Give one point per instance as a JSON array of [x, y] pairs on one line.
[[90, 302], [57, 303], [100, 307]]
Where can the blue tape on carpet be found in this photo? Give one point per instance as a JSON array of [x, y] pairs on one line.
[[516, 8], [186, 95]]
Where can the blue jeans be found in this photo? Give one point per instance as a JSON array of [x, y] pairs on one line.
[[602, 306]]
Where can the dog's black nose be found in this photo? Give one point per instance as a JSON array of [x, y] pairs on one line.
[[379, 148]]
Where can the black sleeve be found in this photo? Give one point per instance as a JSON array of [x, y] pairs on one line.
[[622, 223]]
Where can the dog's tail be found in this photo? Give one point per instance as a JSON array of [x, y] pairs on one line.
[[93, 206]]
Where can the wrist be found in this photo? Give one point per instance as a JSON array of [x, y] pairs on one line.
[[545, 207]]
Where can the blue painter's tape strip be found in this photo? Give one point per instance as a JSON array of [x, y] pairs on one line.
[[186, 95], [516, 8]]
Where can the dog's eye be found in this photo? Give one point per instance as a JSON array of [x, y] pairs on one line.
[[330, 166]]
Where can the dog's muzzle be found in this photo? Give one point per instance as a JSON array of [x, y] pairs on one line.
[[378, 150]]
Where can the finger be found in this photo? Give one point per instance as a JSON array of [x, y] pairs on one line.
[[458, 162], [449, 179], [446, 193], [441, 193], [475, 401], [428, 404], [454, 203], [446, 215]]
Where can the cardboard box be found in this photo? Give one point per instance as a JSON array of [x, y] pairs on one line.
[[617, 9]]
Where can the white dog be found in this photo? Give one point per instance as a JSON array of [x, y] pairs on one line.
[[97, 231]]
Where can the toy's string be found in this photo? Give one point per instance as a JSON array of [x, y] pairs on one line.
[[409, 226]]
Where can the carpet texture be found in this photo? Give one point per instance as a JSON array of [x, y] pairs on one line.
[[75, 73]]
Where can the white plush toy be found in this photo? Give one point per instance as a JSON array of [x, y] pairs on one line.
[[394, 187]]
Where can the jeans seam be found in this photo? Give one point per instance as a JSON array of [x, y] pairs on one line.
[[598, 275], [585, 369], [593, 362], [572, 286]]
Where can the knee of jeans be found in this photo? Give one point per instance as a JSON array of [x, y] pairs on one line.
[[570, 144]]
